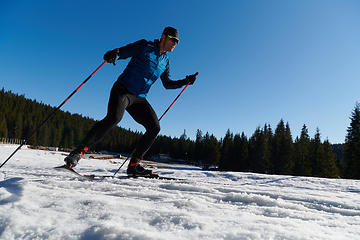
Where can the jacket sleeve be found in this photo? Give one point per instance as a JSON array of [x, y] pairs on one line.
[[132, 49], [167, 82]]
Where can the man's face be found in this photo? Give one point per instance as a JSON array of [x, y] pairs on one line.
[[170, 43]]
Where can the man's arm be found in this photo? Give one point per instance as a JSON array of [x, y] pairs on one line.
[[127, 51], [132, 49], [170, 84]]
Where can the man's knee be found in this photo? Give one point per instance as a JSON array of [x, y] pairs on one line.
[[155, 129], [112, 120]]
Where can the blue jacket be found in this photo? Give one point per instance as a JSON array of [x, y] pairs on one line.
[[145, 67]]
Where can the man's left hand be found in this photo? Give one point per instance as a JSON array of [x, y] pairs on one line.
[[190, 79]]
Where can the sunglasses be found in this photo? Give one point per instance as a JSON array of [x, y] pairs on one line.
[[174, 39]]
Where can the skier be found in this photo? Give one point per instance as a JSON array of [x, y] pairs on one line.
[[149, 61]]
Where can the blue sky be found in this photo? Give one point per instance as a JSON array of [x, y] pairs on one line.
[[259, 61]]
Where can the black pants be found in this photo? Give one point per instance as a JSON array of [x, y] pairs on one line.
[[140, 110]]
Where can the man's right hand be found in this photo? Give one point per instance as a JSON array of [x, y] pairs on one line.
[[110, 56]]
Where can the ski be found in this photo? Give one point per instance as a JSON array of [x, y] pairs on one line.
[[152, 176], [66, 168], [155, 176]]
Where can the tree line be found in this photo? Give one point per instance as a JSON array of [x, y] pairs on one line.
[[276, 153], [266, 151], [19, 117]]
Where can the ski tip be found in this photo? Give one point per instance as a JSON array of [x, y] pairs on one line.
[[62, 167]]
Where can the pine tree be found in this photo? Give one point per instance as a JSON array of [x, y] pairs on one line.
[[268, 139], [227, 152], [330, 169], [351, 161], [199, 145], [18, 127], [282, 149], [3, 128], [317, 152], [259, 151], [302, 151], [289, 145], [46, 135], [211, 149], [184, 146], [243, 146]]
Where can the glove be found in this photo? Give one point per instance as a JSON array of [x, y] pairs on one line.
[[110, 56], [189, 79]]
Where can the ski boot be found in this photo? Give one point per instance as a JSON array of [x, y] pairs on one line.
[[74, 157], [135, 169]]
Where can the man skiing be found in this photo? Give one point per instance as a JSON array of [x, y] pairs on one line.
[[149, 61]]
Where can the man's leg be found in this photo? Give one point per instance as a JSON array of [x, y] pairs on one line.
[[116, 108], [145, 115]]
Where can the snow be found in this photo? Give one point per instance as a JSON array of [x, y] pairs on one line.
[[37, 202]]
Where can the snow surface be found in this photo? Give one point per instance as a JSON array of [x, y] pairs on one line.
[[37, 202]]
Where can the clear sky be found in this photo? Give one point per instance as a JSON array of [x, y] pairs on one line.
[[259, 61]]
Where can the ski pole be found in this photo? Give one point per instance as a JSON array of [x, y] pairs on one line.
[[159, 120], [38, 128], [197, 73], [174, 101]]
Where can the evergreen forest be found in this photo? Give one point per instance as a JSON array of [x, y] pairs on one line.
[[266, 151]]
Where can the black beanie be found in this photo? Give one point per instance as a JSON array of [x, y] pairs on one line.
[[170, 31]]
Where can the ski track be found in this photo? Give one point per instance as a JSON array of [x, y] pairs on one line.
[[37, 202]]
